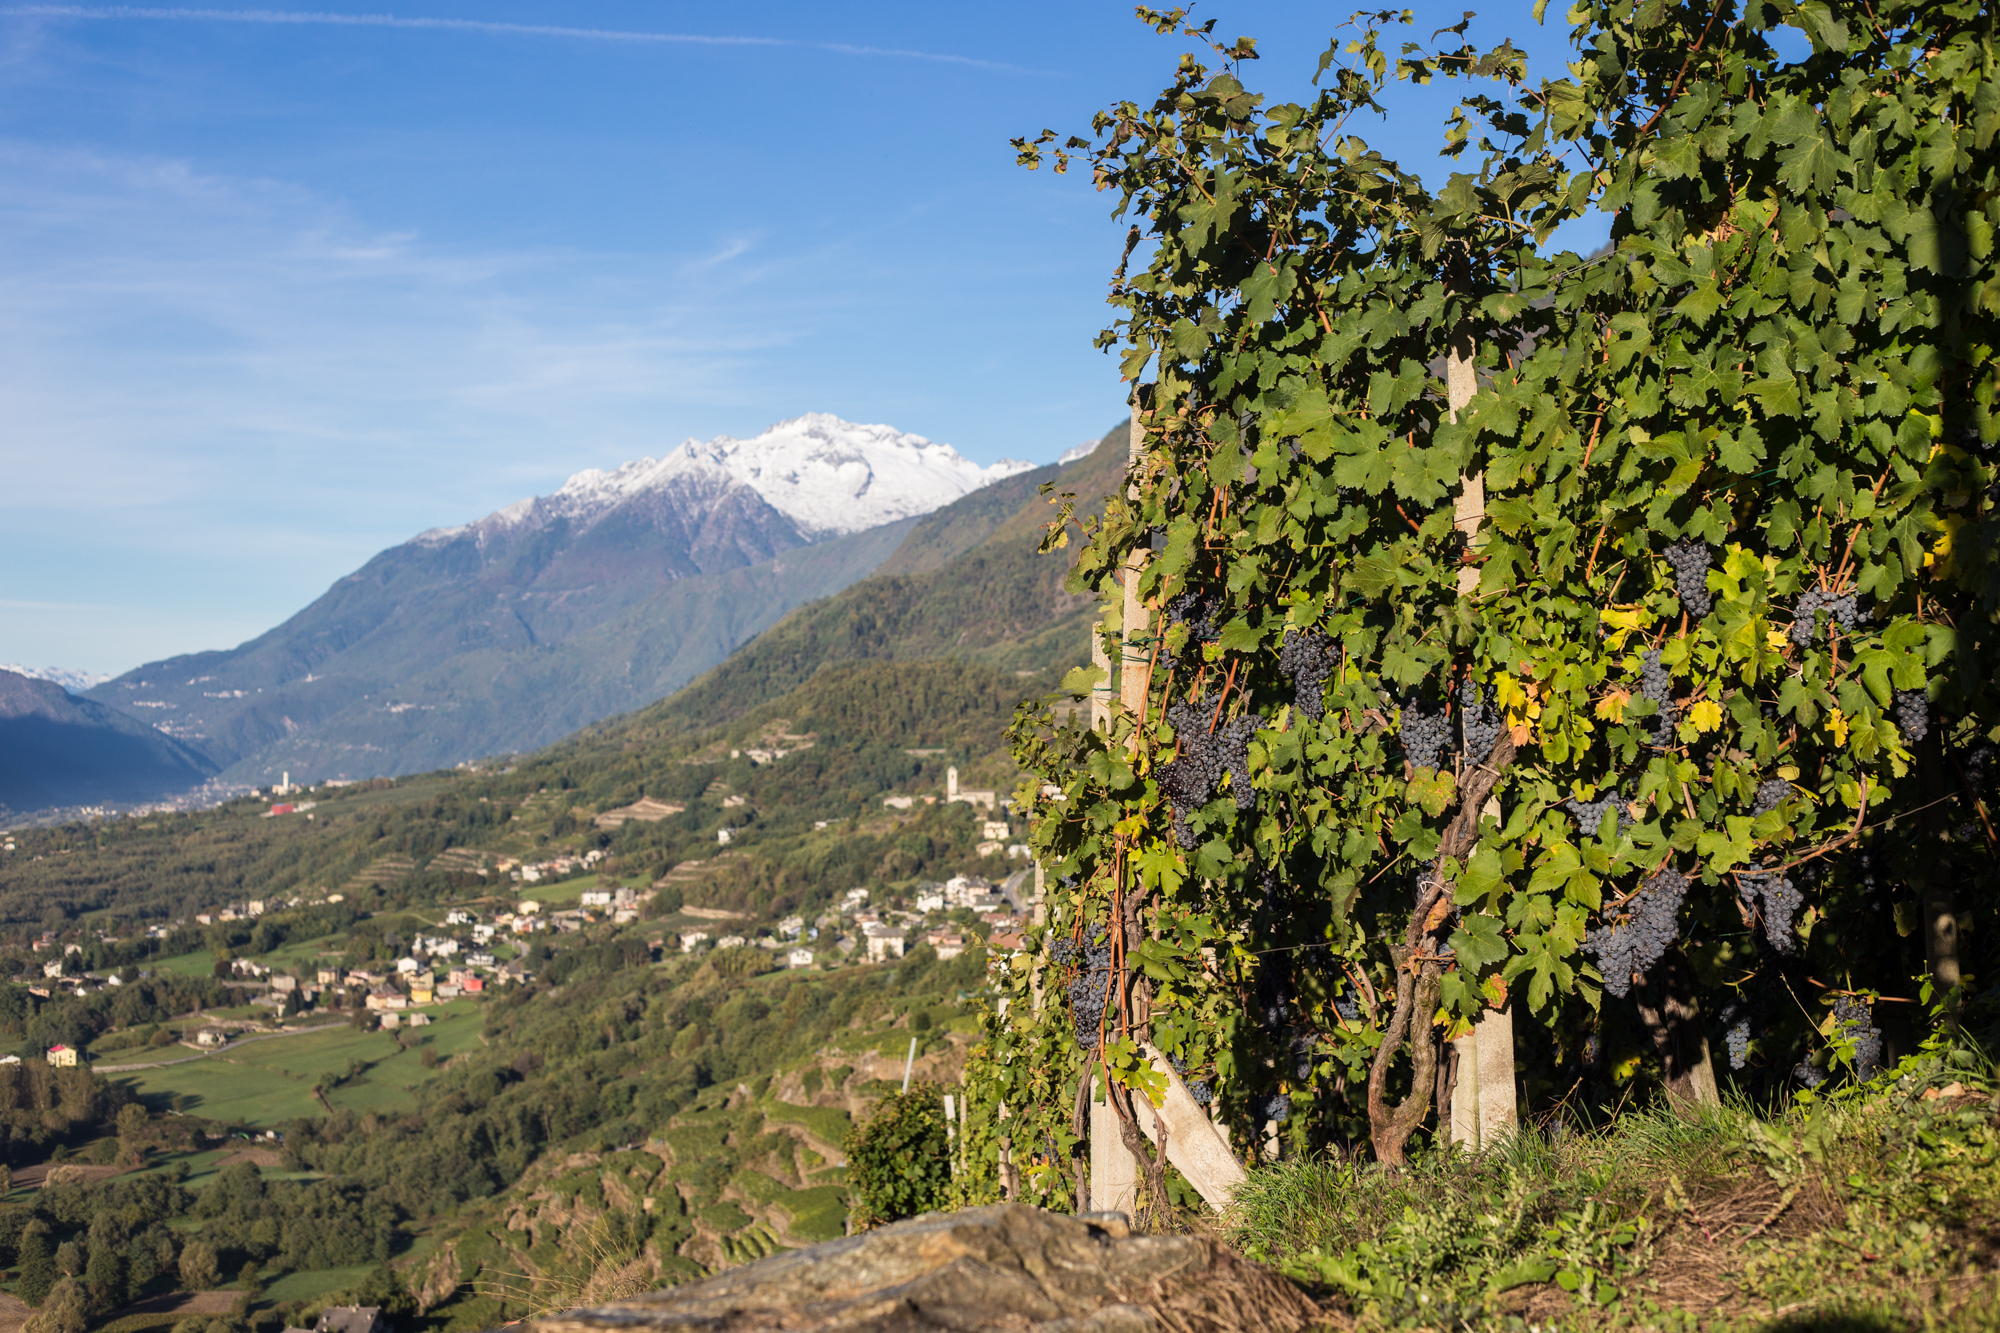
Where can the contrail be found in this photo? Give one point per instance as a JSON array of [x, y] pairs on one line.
[[306, 17]]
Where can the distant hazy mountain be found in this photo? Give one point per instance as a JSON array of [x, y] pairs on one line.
[[76, 682], [58, 749], [508, 632]]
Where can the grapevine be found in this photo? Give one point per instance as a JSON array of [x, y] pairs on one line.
[[1726, 567]]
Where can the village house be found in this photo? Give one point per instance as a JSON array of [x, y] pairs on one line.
[[884, 942], [799, 958], [63, 1057]]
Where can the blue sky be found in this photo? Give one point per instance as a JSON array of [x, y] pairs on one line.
[[282, 287]]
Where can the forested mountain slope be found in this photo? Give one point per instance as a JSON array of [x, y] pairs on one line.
[[507, 633], [57, 749], [992, 601]]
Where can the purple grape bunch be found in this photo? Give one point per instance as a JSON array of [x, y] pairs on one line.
[[1425, 734], [1843, 611], [1087, 986], [1856, 1017], [1776, 902], [1656, 684], [1736, 1033], [1651, 926], [1590, 814], [1308, 659], [1478, 720], [1771, 793], [1203, 756], [1912, 709], [1691, 560]]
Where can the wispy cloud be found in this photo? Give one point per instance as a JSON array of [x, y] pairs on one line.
[[314, 18]]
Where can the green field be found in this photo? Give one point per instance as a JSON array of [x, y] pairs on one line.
[[199, 964], [311, 1286], [265, 1083]]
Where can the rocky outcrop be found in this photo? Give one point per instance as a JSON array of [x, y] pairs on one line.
[[1007, 1267]]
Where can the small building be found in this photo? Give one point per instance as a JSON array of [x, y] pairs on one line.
[[407, 966], [418, 1020], [384, 998], [884, 944], [329, 976], [423, 991], [472, 985], [52, 968], [596, 898], [723, 837], [353, 1319], [799, 958], [948, 943], [64, 1057], [692, 940], [211, 1037], [527, 907], [284, 985], [731, 942]]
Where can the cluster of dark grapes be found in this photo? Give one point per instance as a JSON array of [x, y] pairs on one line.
[[1771, 793], [1739, 1041], [1202, 757], [1842, 611], [1196, 610], [1270, 1106], [1480, 723], [1200, 1089], [1425, 734], [1308, 659], [1775, 900], [1913, 714], [1736, 1034], [1590, 814], [1691, 560], [1809, 1073], [1087, 986], [1976, 761], [1657, 685], [1347, 1008], [1856, 1018], [1274, 999], [1651, 927]]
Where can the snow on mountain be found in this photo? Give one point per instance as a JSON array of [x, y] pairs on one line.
[[1084, 450], [76, 682], [829, 477]]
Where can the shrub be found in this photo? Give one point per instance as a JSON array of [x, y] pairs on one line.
[[898, 1161]]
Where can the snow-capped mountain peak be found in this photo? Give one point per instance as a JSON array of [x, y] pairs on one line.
[[828, 476], [76, 682]]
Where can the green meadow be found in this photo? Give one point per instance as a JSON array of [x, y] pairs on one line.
[[265, 1083]]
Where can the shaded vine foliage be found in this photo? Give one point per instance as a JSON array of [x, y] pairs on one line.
[[1735, 557]]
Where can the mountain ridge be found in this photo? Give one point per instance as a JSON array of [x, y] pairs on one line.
[[507, 633]]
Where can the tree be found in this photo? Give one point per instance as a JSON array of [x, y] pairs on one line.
[[1682, 555], [132, 1126], [36, 1263], [66, 1311], [104, 1279], [199, 1269]]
